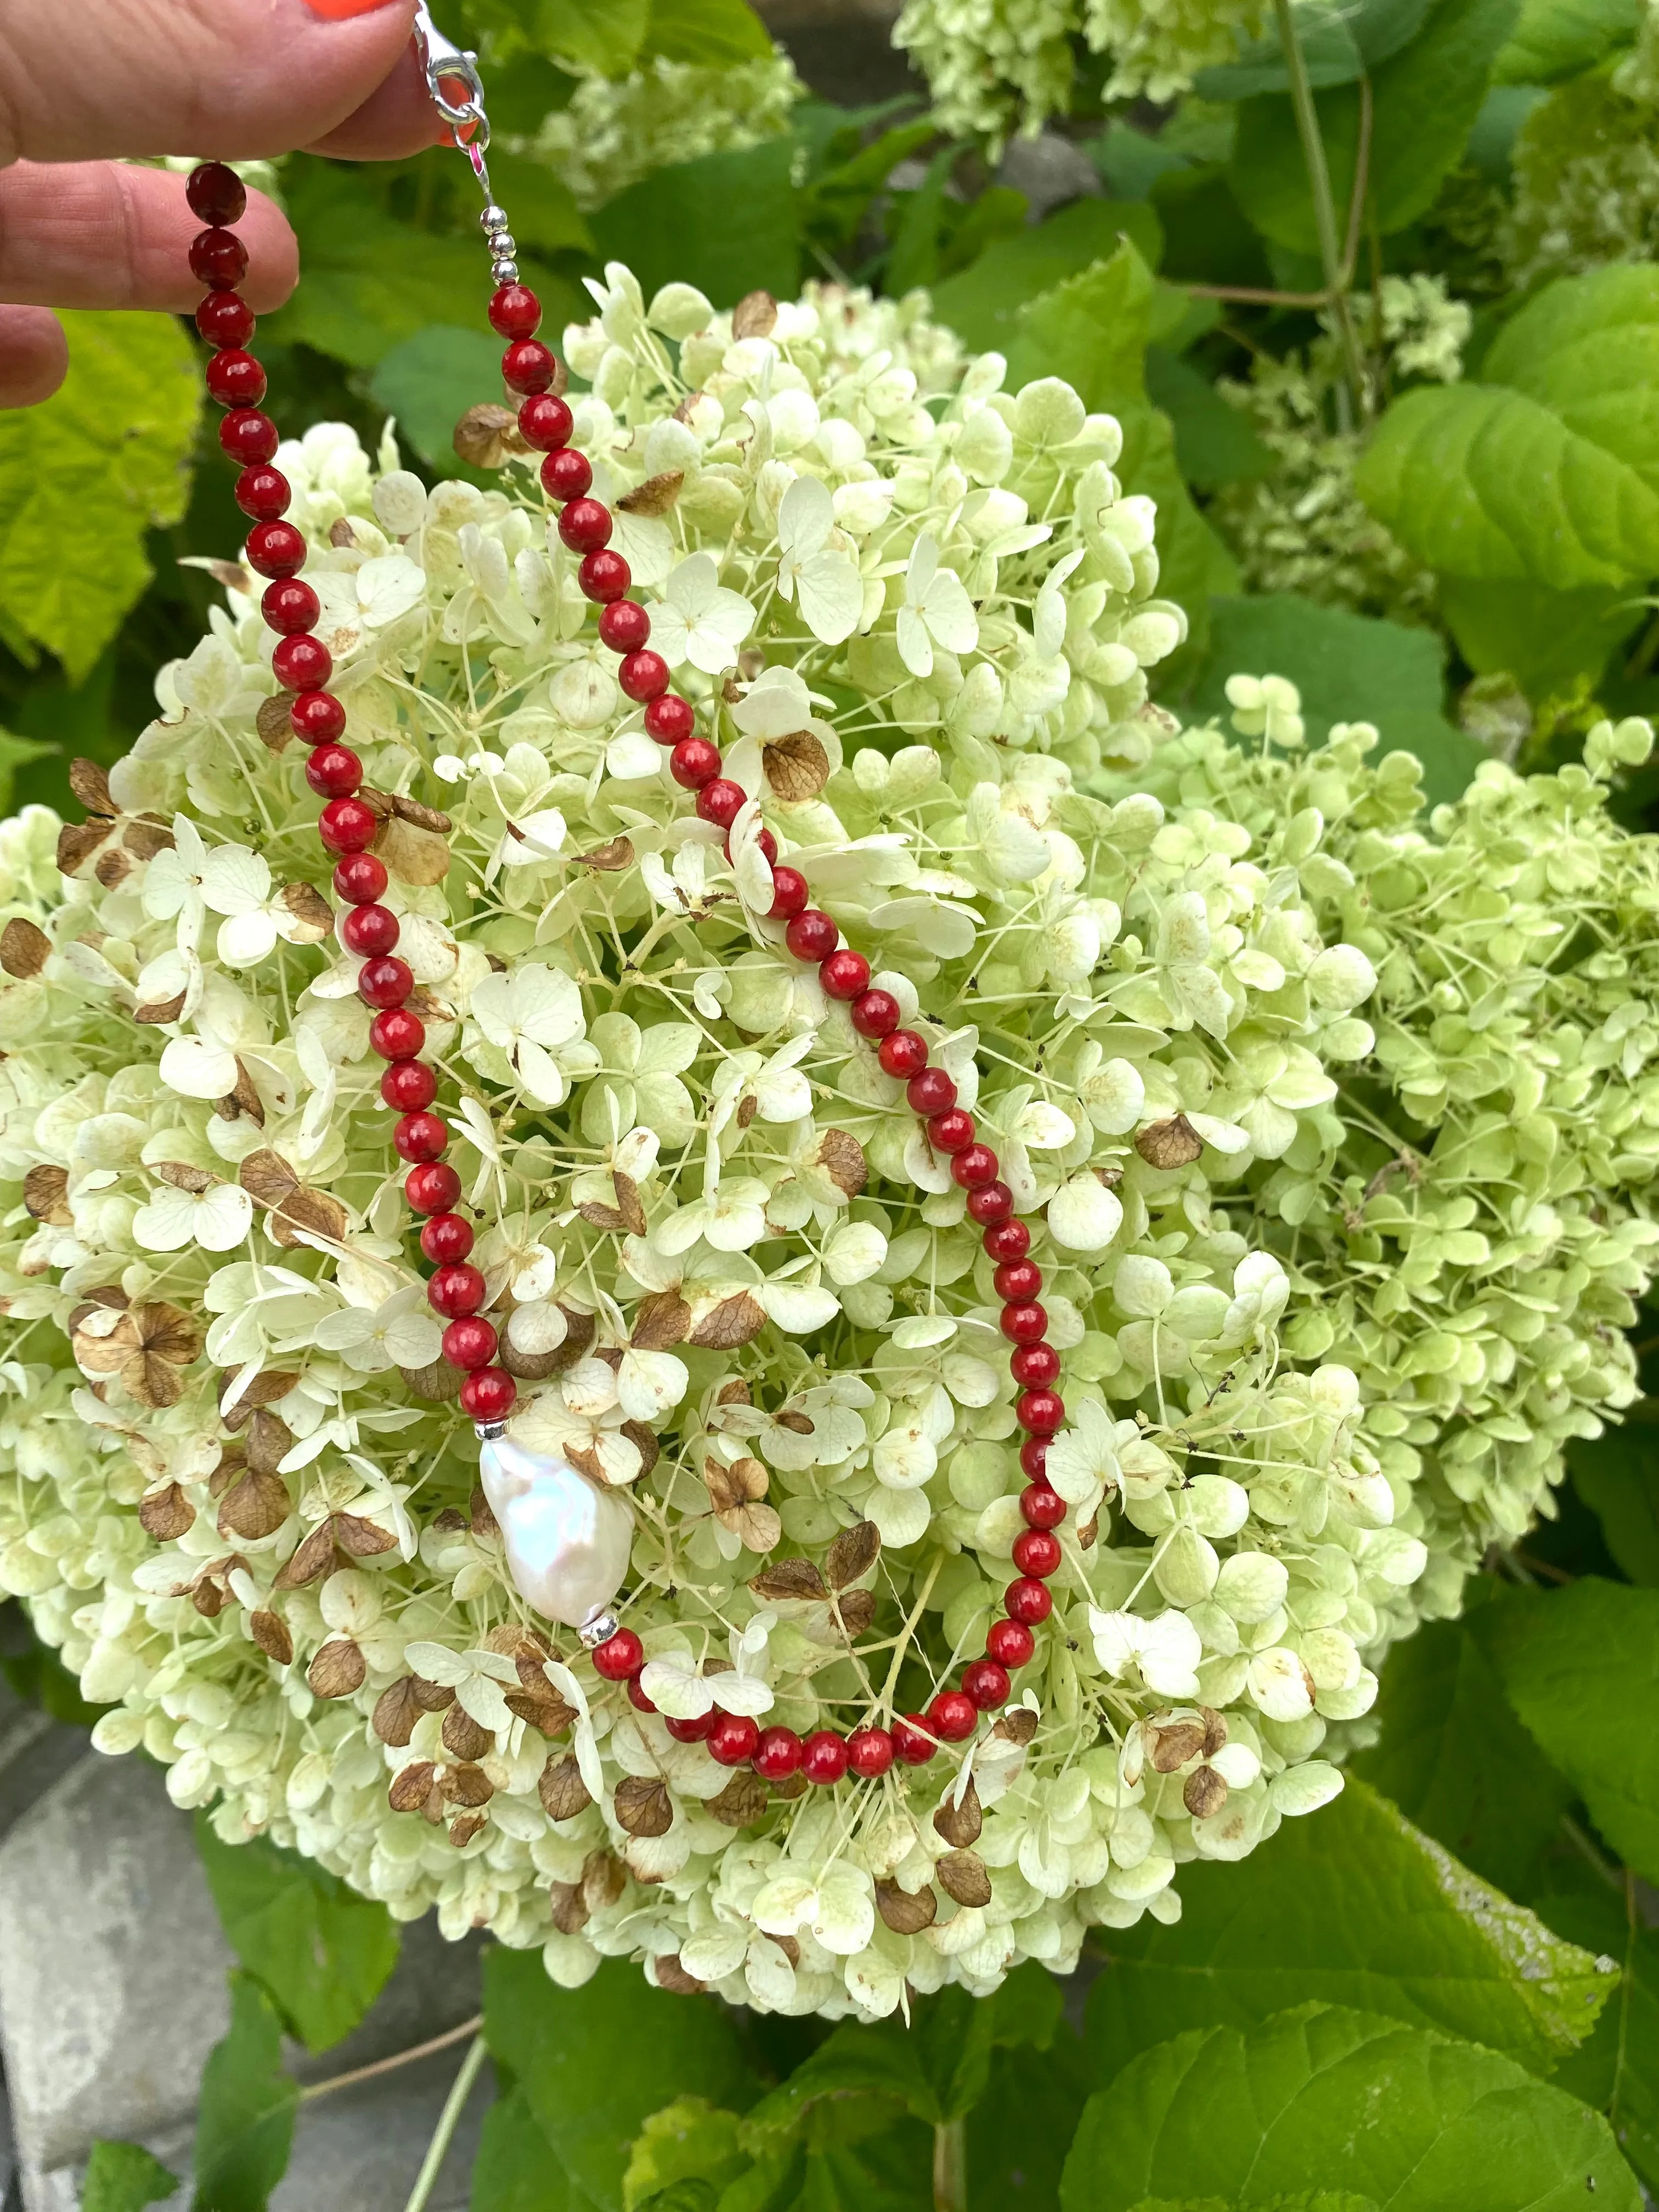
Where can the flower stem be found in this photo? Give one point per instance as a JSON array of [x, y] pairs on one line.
[[951, 2166], [448, 2120], [1324, 207]]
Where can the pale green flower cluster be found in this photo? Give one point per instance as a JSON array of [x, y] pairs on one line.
[[729, 1272], [996, 66], [617, 131], [1587, 173]]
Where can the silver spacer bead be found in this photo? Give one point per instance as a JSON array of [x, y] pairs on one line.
[[486, 1432], [493, 218], [503, 246], [599, 1629], [506, 272]]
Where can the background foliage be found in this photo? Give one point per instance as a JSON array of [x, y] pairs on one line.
[[1431, 498]]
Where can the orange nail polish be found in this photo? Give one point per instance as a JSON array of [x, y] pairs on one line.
[[337, 11]]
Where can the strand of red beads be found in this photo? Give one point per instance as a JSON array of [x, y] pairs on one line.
[[347, 826]]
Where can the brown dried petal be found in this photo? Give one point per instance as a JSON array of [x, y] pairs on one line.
[[45, 1194], [643, 1805], [741, 1803], [797, 1423], [656, 496], [904, 1914], [735, 1321], [740, 1484], [160, 1011], [1172, 1144], [857, 1609], [1172, 1746], [310, 909], [546, 1712], [754, 316], [604, 1877], [960, 1824], [661, 1321], [274, 722], [182, 1176], [570, 1912], [244, 1099], [338, 1670], [672, 1977], [790, 1948], [1204, 1793], [561, 1790], [463, 1829], [610, 860], [789, 1578], [90, 785], [24, 947], [963, 1873], [796, 767], [412, 854], [148, 836], [1018, 1725], [269, 1440], [314, 1557], [432, 1696], [466, 1785], [397, 1711], [487, 434], [423, 816], [841, 1158], [629, 1205], [480, 1519], [1215, 1730], [411, 1786], [167, 1514], [77, 843], [113, 867], [363, 1540], [255, 1506], [607, 1217], [853, 1554], [465, 1737], [269, 1631], [436, 1384], [269, 1385]]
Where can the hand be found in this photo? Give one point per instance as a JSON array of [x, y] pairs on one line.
[[84, 81]]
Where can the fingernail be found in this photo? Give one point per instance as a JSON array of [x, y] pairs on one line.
[[337, 11]]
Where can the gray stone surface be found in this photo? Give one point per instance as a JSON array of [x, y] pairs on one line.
[[842, 48], [1050, 171]]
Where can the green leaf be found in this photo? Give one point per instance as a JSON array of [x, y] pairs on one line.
[[427, 384], [982, 305], [595, 2063], [1557, 39], [1617, 2070], [1130, 161], [321, 1951], [1426, 100], [516, 2170], [881, 2059], [912, 257], [1354, 1906], [1410, 2117], [245, 2122], [1348, 668], [1215, 444], [15, 753], [123, 2176], [545, 216], [1546, 471], [728, 224], [1021, 2129], [1618, 1477], [1453, 1757], [719, 34], [1339, 40], [603, 35], [1304, 2200], [1546, 639], [689, 2140], [75, 502], [1581, 1668], [370, 281]]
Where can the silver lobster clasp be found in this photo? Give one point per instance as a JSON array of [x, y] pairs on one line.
[[448, 70]]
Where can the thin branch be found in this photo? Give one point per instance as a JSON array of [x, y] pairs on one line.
[[399, 2058], [448, 2121]]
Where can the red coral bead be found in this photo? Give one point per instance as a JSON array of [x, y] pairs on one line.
[[951, 1131], [303, 664], [932, 1091], [406, 1086], [225, 319], [585, 524], [620, 1656], [234, 379], [421, 1137], [1040, 1507], [1024, 1323], [1018, 1279], [289, 606], [347, 825], [361, 878], [216, 194], [432, 1187], [1033, 1364], [789, 894], [1042, 1411], [694, 763], [903, 1054], [643, 675], [977, 1166], [335, 772], [732, 1740], [398, 1034], [721, 802], [385, 982], [248, 436], [876, 1014], [527, 366], [1010, 1643], [545, 423], [985, 1684], [990, 1205], [276, 549], [870, 1752], [1006, 1239], [566, 475], [456, 1292], [767, 842], [446, 1239], [913, 1739], [668, 719], [954, 1715], [263, 495], [811, 935], [515, 312], [1028, 1602], [218, 257], [1034, 1458], [639, 1699], [489, 1394], [369, 931], [844, 975], [1036, 1552], [604, 575], [695, 1731], [624, 627], [317, 716], [777, 1755], [823, 1757]]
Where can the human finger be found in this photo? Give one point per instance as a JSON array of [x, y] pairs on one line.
[[33, 355], [101, 235]]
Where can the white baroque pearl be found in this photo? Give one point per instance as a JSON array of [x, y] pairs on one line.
[[567, 1540]]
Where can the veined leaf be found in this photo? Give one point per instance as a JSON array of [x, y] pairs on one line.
[[123, 2176], [1618, 1477], [1556, 38], [516, 2169], [1618, 2069], [982, 304], [428, 382], [719, 34], [245, 2123], [728, 224]]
